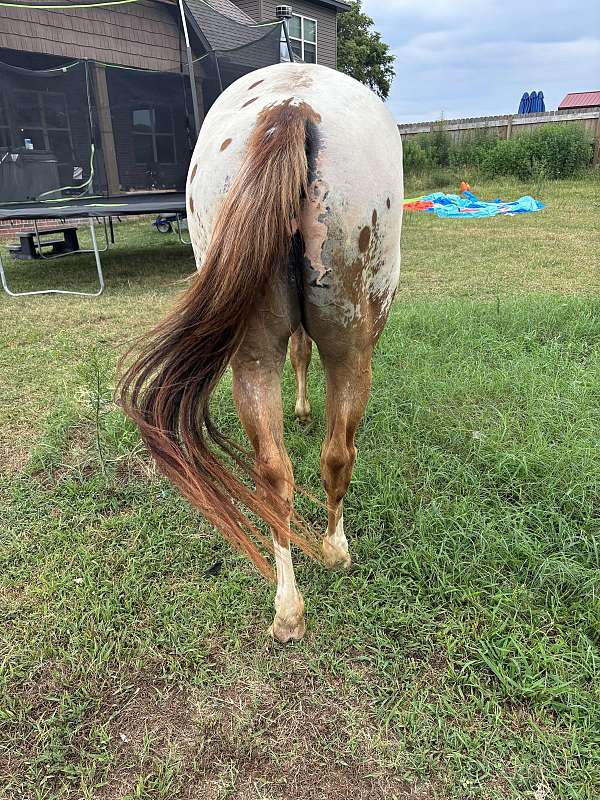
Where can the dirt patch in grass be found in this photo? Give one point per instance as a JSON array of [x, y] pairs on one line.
[[151, 724], [15, 448], [289, 741], [295, 738]]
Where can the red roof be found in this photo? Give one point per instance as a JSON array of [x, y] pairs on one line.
[[581, 99]]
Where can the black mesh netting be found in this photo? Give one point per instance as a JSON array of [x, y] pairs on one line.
[[221, 68], [45, 132], [150, 114], [92, 129]]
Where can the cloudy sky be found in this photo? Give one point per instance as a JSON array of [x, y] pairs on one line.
[[466, 58]]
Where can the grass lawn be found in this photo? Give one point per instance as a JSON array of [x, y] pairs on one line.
[[460, 657]]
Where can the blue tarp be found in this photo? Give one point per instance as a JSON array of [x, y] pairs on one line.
[[453, 205]]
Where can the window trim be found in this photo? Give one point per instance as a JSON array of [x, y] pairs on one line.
[[154, 134], [304, 41]]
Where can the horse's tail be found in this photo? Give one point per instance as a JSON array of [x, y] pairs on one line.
[[166, 391]]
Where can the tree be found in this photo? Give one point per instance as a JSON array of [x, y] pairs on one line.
[[361, 52]]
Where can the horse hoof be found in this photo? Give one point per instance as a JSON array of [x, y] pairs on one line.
[[284, 631], [336, 558], [304, 423]]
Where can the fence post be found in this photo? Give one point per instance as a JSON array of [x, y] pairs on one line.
[[509, 127], [596, 156]]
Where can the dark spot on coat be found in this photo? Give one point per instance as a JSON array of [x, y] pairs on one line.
[[364, 239], [226, 144], [374, 217], [254, 85], [248, 102], [389, 203], [192, 204], [194, 171]]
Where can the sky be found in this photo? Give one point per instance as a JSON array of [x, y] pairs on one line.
[[470, 58]]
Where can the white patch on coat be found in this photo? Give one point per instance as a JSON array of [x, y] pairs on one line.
[[338, 540], [288, 600]]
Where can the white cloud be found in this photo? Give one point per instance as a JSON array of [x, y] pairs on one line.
[[470, 57]]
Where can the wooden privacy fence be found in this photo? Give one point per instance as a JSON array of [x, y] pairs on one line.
[[507, 125]]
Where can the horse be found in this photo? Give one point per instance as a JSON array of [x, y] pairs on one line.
[[294, 203]]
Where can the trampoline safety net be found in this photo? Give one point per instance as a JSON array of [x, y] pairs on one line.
[[87, 128]]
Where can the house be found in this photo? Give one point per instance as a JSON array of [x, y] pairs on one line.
[[313, 27], [123, 115], [580, 101]]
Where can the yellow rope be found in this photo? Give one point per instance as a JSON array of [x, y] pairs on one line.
[[70, 5]]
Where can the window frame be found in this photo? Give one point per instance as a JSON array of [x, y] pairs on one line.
[[302, 41], [44, 128], [154, 134]]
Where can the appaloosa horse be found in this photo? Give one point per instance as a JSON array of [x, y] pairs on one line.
[[295, 207]]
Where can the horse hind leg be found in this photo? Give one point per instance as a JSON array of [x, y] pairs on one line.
[[257, 368], [348, 387], [300, 355]]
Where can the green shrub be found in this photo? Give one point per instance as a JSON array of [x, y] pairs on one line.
[[471, 152], [508, 157], [427, 151], [550, 151], [554, 151], [416, 158], [440, 145], [562, 150]]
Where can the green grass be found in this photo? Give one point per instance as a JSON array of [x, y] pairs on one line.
[[460, 657]]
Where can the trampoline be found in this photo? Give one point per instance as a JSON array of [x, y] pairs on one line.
[[86, 139], [93, 209]]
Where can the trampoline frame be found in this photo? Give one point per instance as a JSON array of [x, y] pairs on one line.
[[170, 201], [95, 250]]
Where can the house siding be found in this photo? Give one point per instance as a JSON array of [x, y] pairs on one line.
[[326, 26], [139, 35], [144, 34]]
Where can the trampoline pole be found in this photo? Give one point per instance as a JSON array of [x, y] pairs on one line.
[[190, 61], [8, 291], [3, 279], [97, 254], [288, 42]]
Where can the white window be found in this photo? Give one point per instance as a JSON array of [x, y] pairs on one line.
[[303, 33]]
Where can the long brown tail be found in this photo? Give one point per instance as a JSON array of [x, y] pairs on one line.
[[167, 390]]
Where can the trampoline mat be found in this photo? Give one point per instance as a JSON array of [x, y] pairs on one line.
[[115, 206]]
